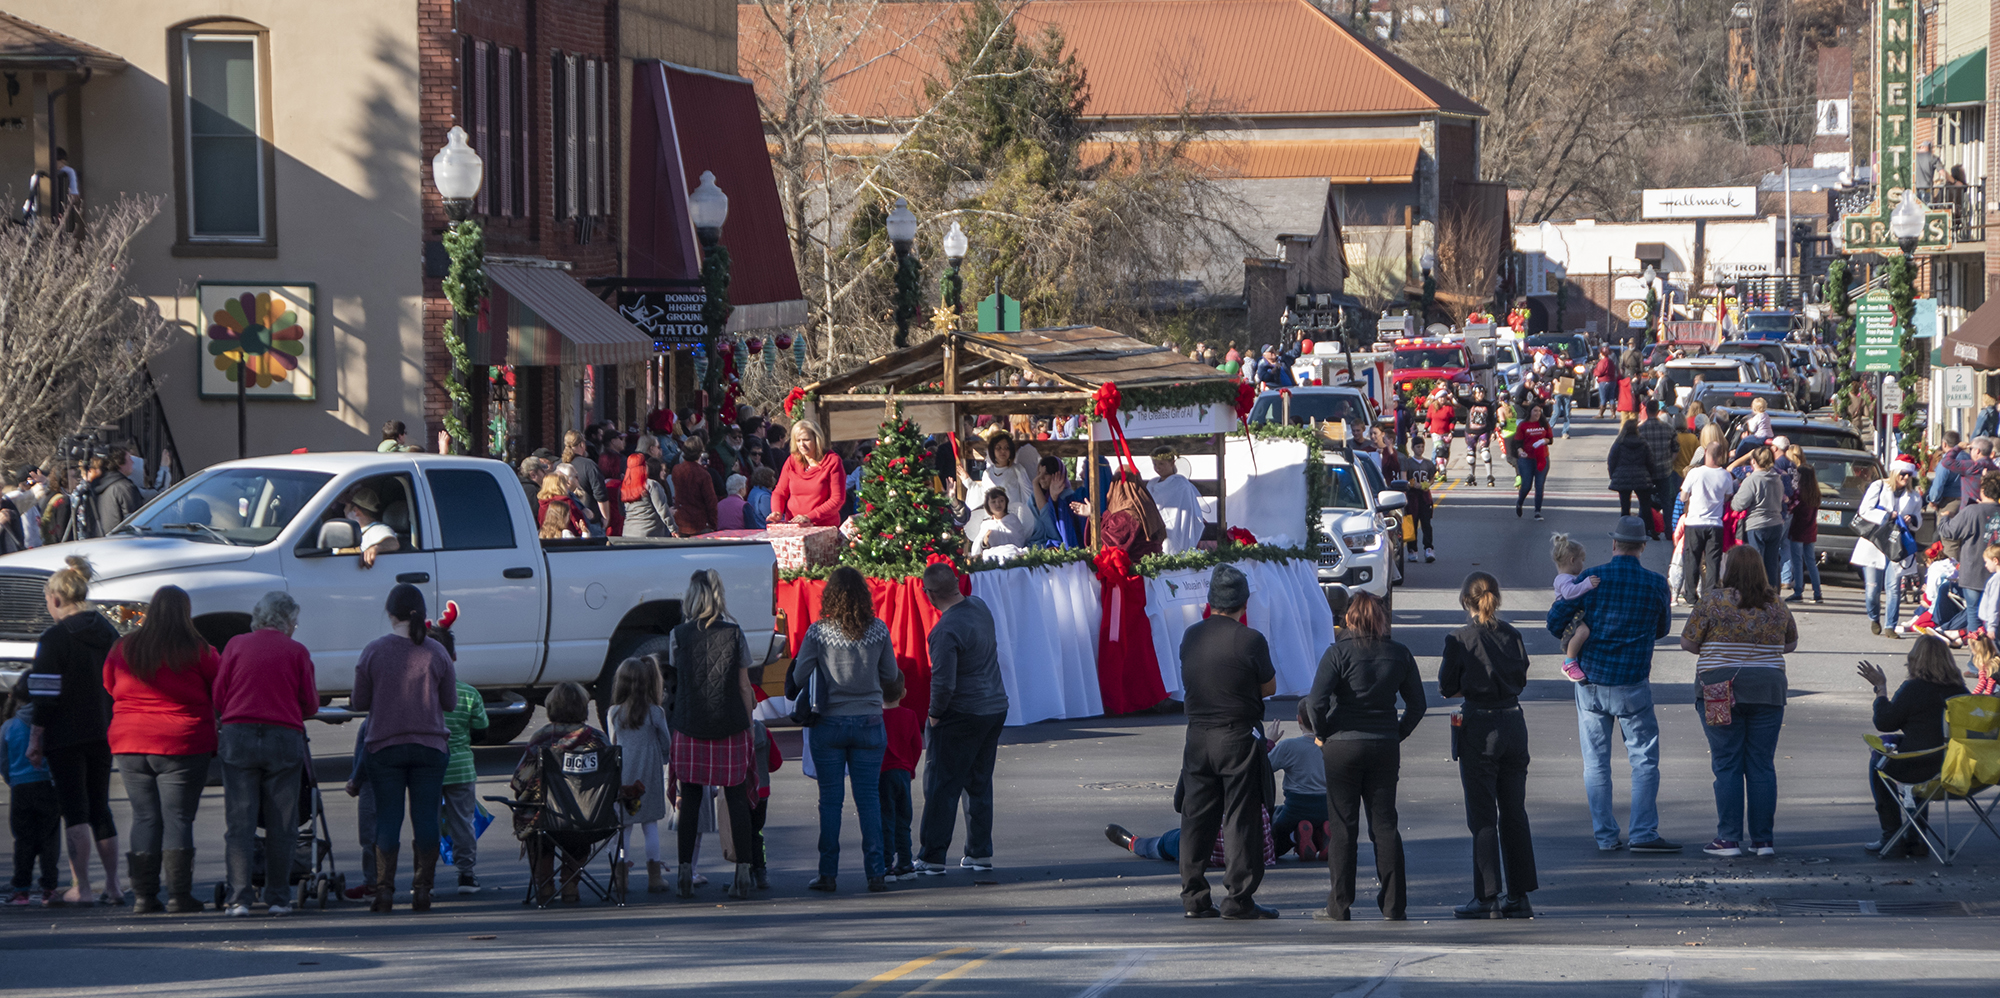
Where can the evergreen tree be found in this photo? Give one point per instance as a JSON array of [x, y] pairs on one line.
[[904, 517]]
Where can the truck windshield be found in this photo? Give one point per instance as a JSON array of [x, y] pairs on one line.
[[1768, 322], [1424, 357], [1345, 488], [1324, 407], [248, 506]]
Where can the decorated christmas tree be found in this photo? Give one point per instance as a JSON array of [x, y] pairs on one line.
[[903, 518]]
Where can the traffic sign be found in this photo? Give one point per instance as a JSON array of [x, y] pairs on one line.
[[1877, 343], [1892, 395], [1959, 389]]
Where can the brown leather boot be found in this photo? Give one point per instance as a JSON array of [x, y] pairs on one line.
[[422, 880], [385, 879], [539, 865], [656, 877]]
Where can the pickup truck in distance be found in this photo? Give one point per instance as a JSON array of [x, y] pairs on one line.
[[533, 613]]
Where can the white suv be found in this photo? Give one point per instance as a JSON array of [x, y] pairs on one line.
[[1364, 544]]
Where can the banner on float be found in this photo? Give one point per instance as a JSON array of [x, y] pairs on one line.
[[1186, 421]]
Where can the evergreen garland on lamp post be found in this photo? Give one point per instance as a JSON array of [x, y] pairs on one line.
[[1906, 223], [902, 225], [457, 172]]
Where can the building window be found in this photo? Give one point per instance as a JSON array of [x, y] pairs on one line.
[[491, 78], [221, 94], [580, 100]]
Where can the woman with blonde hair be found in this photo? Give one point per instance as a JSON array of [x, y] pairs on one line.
[[710, 718], [1486, 662], [638, 722], [812, 486], [72, 724], [555, 494]]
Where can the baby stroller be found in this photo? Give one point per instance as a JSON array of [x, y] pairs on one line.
[[314, 877], [577, 819]]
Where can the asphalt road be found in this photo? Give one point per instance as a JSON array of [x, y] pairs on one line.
[[1066, 914]]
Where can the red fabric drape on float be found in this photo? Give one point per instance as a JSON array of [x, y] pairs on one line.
[[901, 605], [1128, 672]]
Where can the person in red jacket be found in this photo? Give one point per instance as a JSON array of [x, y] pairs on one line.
[[1606, 375], [1440, 416], [265, 691], [161, 678], [1531, 443], [813, 485], [905, 732]]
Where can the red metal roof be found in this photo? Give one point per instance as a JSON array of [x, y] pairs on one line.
[[1340, 161], [1143, 58]]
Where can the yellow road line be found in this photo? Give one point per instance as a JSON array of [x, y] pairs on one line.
[[889, 975], [959, 971]]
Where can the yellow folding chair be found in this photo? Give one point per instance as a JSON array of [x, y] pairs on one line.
[[1971, 767]]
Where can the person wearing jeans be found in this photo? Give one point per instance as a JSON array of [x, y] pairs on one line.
[[1740, 635], [1800, 558], [405, 681], [1627, 612], [1882, 572], [161, 679], [968, 709], [1705, 489], [264, 693], [842, 671]]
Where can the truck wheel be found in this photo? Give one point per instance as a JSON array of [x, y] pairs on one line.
[[1389, 603], [503, 729], [642, 646]]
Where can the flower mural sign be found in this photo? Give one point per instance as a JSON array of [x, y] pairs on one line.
[[258, 335]]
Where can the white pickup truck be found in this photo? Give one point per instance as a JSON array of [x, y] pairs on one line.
[[533, 613]]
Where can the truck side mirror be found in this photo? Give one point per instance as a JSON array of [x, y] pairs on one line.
[[1391, 499], [337, 534]]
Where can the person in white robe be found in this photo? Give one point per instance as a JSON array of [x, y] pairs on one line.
[[995, 529], [1009, 467], [1179, 502]]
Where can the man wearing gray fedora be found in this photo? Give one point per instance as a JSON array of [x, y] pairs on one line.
[[1627, 612], [1226, 673]]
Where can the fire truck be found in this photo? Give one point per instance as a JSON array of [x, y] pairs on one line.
[[1434, 358]]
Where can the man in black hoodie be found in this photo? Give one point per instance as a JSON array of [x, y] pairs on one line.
[[114, 497]]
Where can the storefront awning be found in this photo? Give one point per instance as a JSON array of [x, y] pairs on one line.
[[1958, 82], [686, 121], [540, 316], [1976, 341]]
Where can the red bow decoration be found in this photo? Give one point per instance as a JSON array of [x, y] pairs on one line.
[[1242, 536], [1113, 566], [1105, 405], [1246, 399], [793, 398]]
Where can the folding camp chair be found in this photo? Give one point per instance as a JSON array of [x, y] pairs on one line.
[[577, 819], [1971, 767]]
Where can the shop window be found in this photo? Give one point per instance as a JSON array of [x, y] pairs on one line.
[[491, 78], [221, 91], [580, 102]]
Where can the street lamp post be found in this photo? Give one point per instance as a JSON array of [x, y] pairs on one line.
[[955, 245], [708, 208], [457, 171], [902, 225], [1906, 223], [1652, 279]]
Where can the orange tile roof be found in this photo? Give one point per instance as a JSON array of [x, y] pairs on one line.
[[1340, 161], [1144, 58]]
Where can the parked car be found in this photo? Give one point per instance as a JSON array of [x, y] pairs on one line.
[[535, 613], [1779, 356], [1818, 373], [1681, 374], [1735, 394], [1844, 475], [1364, 536], [1805, 431]]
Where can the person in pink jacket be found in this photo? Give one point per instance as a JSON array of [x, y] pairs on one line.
[[265, 691]]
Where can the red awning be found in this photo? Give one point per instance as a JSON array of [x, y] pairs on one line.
[[685, 121]]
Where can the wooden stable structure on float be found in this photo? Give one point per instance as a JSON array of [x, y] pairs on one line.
[[935, 384]]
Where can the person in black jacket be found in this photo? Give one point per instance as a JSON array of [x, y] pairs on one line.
[[114, 497], [1486, 662], [1353, 710], [1633, 472], [1226, 671], [72, 724], [708, 710], [1917, 711]]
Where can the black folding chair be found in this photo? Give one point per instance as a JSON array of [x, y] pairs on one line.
[[577, 819]]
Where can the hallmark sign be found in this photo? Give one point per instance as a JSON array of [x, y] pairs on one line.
[[1698, 202], [671, 316]]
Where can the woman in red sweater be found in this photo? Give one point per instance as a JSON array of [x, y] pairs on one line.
[[161, 679], [813, 485], [1531, 444]]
